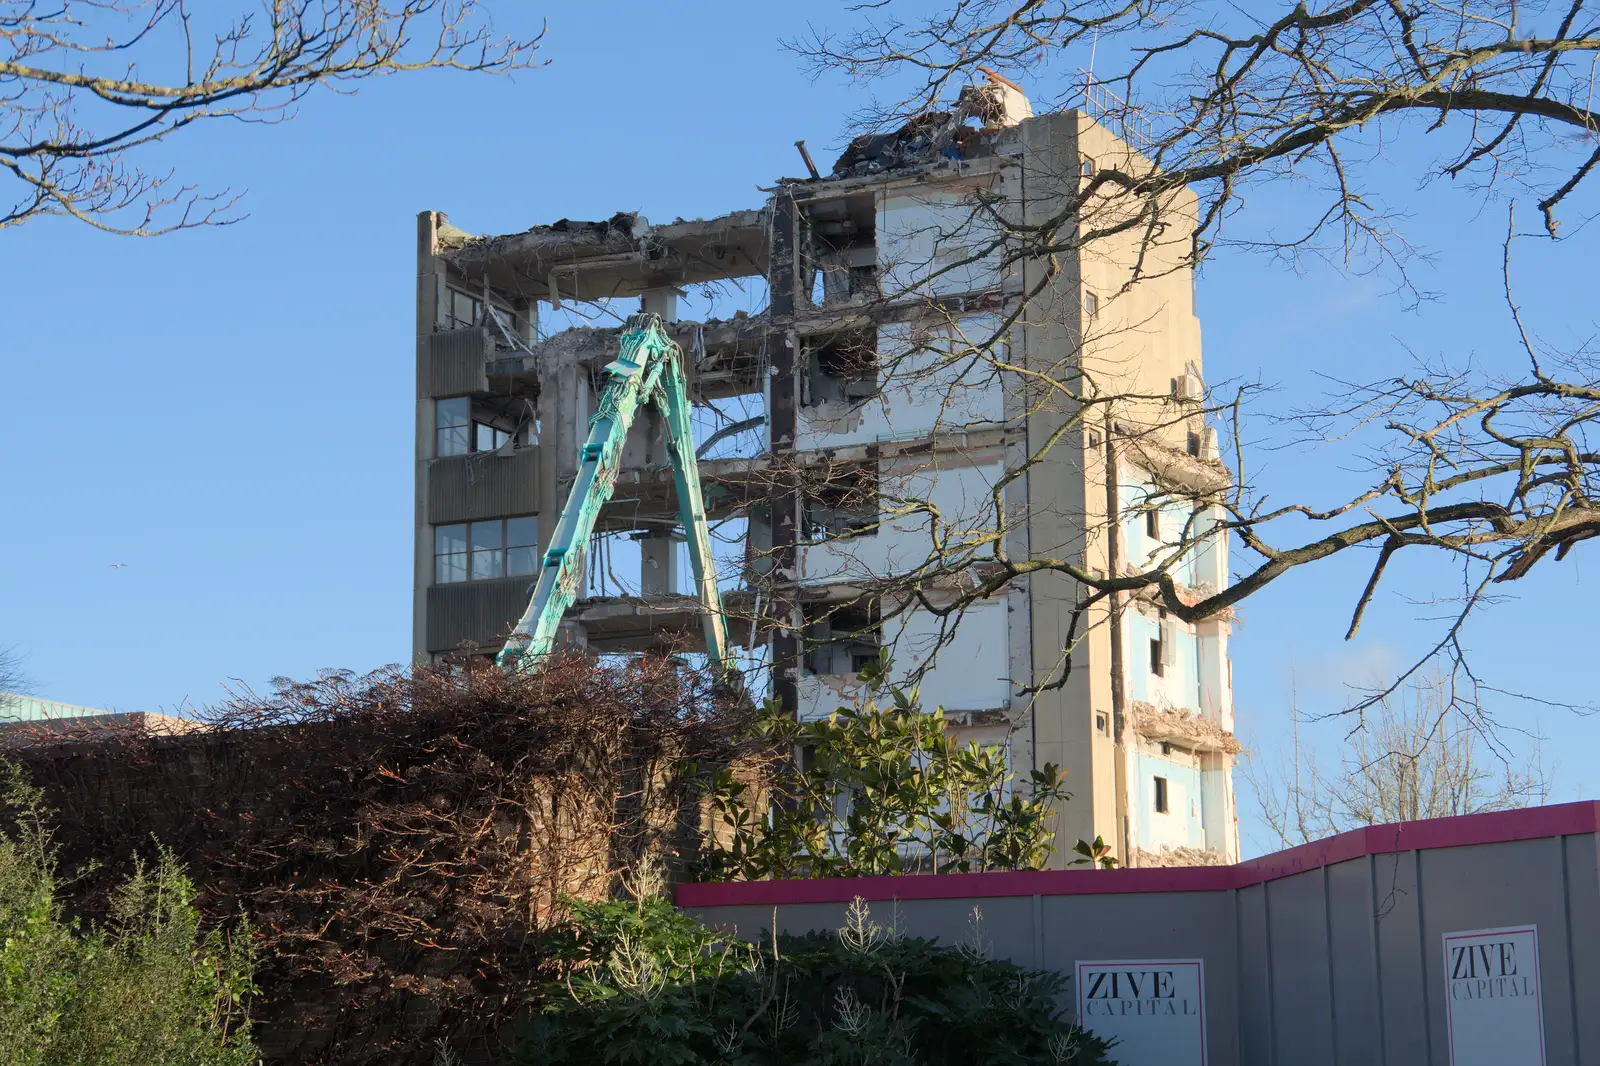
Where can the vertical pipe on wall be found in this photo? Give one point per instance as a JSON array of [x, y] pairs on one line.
[[1118, 672]]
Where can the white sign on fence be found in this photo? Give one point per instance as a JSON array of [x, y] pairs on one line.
[[1493, 998], [1155, 1008]]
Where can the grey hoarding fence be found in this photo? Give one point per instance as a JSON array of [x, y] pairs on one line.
[[1456, 942]]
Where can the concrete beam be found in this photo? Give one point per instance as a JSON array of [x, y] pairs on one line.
[[622, 256]]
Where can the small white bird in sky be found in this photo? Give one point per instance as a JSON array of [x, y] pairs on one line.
[[118, 566]]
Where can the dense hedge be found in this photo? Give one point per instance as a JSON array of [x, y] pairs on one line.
[[401, 841]]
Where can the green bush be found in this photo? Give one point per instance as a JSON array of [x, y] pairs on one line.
[[882, 788], [644, 984], [147, 988]]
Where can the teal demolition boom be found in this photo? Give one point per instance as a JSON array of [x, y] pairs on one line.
[[646, 370]]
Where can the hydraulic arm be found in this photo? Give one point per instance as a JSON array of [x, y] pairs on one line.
[[646, 371]]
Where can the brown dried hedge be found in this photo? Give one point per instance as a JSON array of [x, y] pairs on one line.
[[400, 841]]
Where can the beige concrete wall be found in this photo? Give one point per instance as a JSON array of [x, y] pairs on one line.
[[1133, 345], [1057, 508]]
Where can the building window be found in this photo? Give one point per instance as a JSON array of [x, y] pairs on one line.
[[1161, 795], [1094, 439], [843, 638], [844, 506], [1194, 445], [1100, 722], [488, 550], [449, 554], [488, 437], [1091, 305], [522, 546], [1086, 167], [456, 432], [462, 310], [1152, 524], [452, 421], [483, 551], [1164, 649], [841, 369]]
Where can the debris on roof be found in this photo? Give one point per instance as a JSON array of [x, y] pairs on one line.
[[998, 103]]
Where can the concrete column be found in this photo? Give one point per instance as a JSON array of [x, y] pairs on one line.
[[430, 283], [663, 302], [658, 550], [658, 563]]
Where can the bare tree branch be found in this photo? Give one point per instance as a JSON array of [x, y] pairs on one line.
[[76, 102]]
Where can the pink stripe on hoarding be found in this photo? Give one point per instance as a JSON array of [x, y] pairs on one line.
[[1566, 819]]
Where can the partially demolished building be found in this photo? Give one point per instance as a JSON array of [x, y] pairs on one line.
[[898, 443]]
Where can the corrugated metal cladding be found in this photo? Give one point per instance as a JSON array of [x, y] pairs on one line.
[[466, 487], [458, 362], [479, 611]]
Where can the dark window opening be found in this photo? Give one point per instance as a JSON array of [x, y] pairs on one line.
[[842, 265], [843, 638], [1152, 524], [1100, 722], [1161, 795], [841, 368], [844, 505], [1094, 439], [1157, 666], [1194, 445]]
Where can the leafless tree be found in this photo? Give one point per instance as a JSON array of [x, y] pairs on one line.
[[86, 87], [13, 681], [1488, 462], [1418, 753]]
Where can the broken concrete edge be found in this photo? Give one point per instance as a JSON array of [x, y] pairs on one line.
[[1169, 856], [1149, 598], [1177, 467], [931, 142], [622, 232], [1180, 725]]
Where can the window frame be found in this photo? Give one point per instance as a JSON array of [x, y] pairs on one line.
[[1163, 796], [464, 555], [468, 568], [439, 406], [477, 315]]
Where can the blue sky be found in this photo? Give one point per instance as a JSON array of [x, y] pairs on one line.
[[228, 411]]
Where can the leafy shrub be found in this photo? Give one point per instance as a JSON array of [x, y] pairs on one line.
[[148, 988], [883, 788], [644, 984]]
